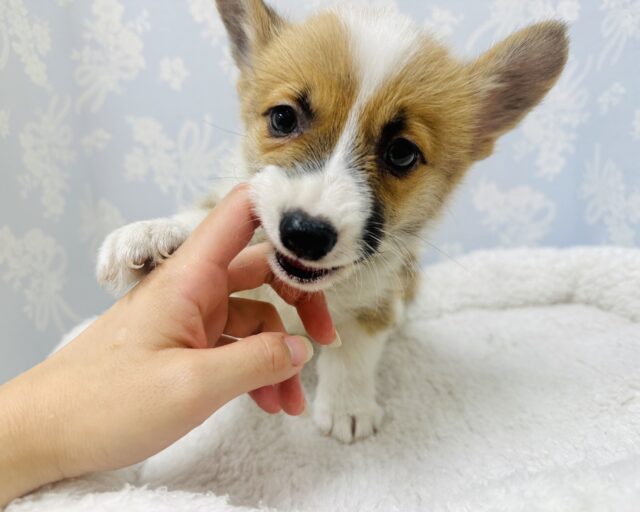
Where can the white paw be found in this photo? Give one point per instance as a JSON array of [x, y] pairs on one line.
[[348, 426], [131, 252]]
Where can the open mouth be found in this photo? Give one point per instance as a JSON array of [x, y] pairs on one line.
[[300, 272]]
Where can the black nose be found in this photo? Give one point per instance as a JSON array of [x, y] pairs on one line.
[[309, 238]]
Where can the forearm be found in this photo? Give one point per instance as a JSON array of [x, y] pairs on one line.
[[26, 458]]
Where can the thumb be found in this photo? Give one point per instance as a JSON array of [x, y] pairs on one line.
[[261, 360]]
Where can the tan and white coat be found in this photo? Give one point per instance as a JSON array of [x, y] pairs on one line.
[[357, 79]]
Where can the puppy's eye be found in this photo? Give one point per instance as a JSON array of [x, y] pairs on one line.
[[402, 155], [283, 121]]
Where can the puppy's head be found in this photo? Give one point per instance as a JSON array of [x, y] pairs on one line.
[[359, 126]]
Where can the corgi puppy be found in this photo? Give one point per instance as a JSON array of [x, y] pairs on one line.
[[359, 126]]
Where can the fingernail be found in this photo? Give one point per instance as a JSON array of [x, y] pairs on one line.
[[337, 343], [300, 348]]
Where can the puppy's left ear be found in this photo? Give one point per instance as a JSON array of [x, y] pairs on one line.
[[513, 77], [251, 25]]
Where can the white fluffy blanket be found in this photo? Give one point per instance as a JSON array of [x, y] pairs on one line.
[[513, 386]]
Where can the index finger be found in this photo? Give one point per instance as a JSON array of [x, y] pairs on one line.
[[224, 232]]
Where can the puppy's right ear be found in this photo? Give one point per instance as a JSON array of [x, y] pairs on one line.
[[251, 25]]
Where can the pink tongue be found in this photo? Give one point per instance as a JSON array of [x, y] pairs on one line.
[[298, 264]]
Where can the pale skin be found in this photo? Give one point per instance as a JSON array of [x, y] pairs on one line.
[[158, 363]]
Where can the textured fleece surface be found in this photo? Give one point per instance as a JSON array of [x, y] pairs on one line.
[[513, 385]]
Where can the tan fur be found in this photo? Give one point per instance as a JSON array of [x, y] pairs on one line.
[[410, 280], [251, 25], [379, 319], [434, 95], [321, 67], [440, 96], [384, 316]]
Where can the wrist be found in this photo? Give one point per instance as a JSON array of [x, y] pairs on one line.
[[27, 460]]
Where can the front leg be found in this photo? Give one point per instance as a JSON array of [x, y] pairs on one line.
[[131, 252], [345, 406]]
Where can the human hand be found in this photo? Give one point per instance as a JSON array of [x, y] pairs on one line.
[[156, 365]]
